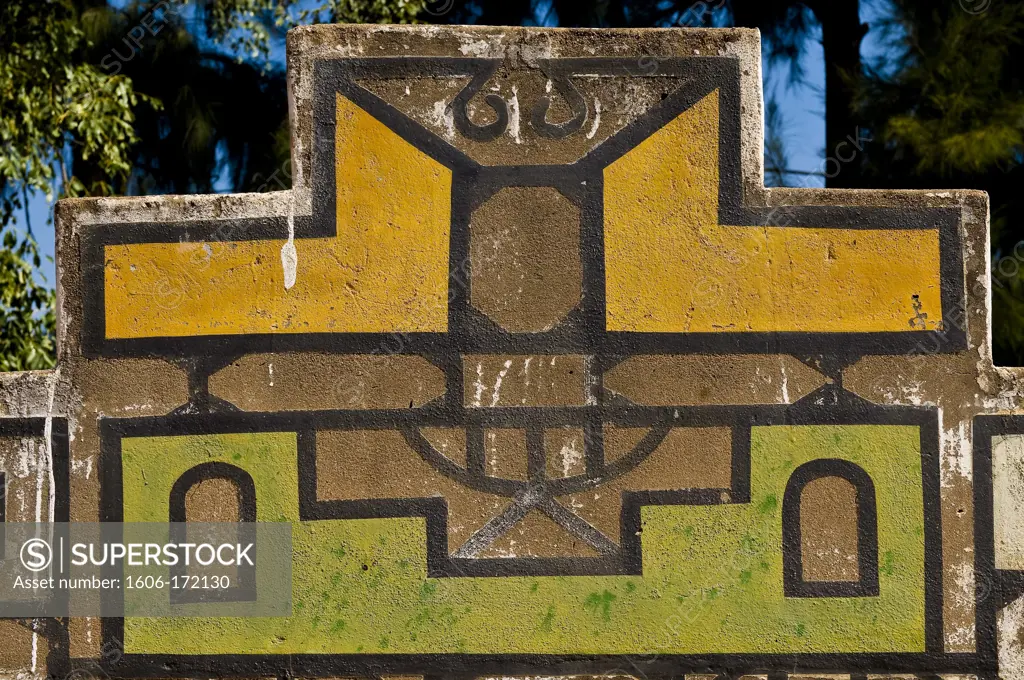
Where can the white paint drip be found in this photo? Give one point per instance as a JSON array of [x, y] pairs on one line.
[[597, 119], [47, 432], [496, 393], [785, 385], [571, 457], [475, 48], [513, 116], [51, 495], [24, 468], [478, 385], [39, 487], [590, 380], [957, 458], [270, 369], [290, 256], [492, 459], [963, 596], [442, 116], [526, 376], [78, 465], [1010, 625]]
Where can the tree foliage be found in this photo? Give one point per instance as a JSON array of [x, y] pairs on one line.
[[189, 96], [49, 102], [947, 111], [954, 103], [220, 120], [248, 26], [27, 321], [146, 97]]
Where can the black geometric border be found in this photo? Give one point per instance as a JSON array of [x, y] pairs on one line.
[[35, 427], [580, 182], [994, 588], [244, 590], [934, 658], [582, 332]]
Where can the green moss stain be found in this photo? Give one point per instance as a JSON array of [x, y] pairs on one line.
[[717, 564], [888, 564], [600, 602], [549, 618]]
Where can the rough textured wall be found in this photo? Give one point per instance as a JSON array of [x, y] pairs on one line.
[[546, 381]]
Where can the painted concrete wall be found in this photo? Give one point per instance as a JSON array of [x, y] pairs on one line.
[[545, 380]]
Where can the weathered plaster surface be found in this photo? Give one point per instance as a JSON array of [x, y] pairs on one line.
[[958, 386]]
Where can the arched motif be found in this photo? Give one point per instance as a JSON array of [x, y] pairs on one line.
[[794, 582], [243, 582], [216, 470]]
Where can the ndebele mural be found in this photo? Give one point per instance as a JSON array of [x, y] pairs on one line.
[[545, 381]]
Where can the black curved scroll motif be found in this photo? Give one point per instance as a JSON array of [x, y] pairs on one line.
[[243, 589], [577, 104], [794, 584], [460, 110]]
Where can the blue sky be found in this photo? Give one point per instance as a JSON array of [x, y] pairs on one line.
[[802, 105]]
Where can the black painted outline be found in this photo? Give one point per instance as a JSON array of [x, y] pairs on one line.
[[244, 590], [3, 515], [460, 107], [994, 588], [581, 182], [559, 75], [214, 470], [582, 332], [305, 424], [867, 532], [35, 427]]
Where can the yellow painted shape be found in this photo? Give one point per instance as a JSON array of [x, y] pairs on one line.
[[670, 267], [385, 271]]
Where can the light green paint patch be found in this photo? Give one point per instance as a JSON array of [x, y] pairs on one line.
[[150, 466], [712, 579]]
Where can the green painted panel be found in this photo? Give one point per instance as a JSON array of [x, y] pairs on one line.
[[712, 580]]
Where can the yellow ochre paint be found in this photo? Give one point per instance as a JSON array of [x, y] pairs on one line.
[[672, 268], [386, 270]]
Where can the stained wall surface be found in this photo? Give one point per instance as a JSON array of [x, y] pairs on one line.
[[545, 381]]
